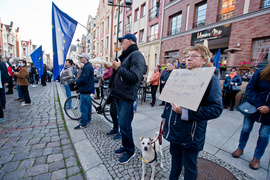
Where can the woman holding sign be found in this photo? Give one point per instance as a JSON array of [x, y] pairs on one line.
[[184, 128]]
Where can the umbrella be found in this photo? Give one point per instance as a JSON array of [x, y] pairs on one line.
[[232, 50], [98, 60]]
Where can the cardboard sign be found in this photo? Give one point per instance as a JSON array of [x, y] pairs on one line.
[[187, 87]]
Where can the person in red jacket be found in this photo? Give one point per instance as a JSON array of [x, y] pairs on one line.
[[154, 80], [107, 73]]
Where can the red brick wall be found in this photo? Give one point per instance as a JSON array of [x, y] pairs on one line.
[[239, 7], [244, 32], [174, 44], [212, 11], [254, 5]]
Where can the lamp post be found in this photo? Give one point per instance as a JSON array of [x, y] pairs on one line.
[[80, 46], [128, 4]]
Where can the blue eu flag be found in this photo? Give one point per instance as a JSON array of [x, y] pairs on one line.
[[37, 58], [217, 59], [63, 29]]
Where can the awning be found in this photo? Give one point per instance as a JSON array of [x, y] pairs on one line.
[[232, 50]]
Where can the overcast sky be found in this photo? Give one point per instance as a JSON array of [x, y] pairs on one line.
[[34, 18]]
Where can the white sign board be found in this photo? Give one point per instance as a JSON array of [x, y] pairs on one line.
[[187, 87]]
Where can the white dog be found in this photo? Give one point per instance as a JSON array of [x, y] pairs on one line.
[[150, 147]]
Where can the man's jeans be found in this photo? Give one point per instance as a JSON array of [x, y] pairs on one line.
[[186, 157], [19, 92], [125, 117], [68, 93], [86, 109], [262, 141]]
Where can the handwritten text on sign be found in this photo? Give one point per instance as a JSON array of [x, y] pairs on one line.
[[187, 87]]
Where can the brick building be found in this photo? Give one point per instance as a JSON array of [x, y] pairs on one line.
[[238, 27]]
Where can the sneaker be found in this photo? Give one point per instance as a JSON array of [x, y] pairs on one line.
[[2, 119], [22, 100], [119, 151], [126, 157], [34, 85], [79, 127], [118, 136], [18, 99], [111, 132], [25, 104]]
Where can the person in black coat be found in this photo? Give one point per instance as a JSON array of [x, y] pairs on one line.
[[258, 91], [232, 79], [163, 79], [44, 75], [185, 129], [4, 79], [124, 87]]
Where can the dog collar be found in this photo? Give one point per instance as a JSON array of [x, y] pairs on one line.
[[150, 161]]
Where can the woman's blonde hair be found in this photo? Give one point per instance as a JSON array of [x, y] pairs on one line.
[[205, 53], [265, 73]]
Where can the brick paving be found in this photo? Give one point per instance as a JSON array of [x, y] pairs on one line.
[[34, 143]]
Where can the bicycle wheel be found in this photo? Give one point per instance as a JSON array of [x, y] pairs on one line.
[[72, 107], [106, 111]]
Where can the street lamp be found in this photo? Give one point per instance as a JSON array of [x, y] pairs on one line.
[[128, 4]]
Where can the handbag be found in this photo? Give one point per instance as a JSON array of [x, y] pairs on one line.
[[73, 86], [248, 109], [236, 88]]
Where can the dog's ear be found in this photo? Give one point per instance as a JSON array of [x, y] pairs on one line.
[[151, 139], [141, 138]]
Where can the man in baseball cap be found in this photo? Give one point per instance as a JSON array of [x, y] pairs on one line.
[[84, 55], [129, 37]]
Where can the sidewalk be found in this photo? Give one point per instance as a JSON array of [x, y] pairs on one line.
[[95, 149]]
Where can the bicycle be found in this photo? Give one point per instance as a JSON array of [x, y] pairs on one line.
[[72, 106]]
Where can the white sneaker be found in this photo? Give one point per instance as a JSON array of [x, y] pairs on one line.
[[25, 104], [34, 85]]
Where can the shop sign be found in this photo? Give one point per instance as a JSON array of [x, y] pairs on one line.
[[213, 33]]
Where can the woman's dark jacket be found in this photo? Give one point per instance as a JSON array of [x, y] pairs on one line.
[[191, 133], [227, 83], [258, 90], [86, 80], [127, 79]]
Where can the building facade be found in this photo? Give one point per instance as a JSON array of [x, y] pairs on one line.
[[240, 28]]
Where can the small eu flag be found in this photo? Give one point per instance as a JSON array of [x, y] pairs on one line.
[[217, 59], [37, 58], [63, 29]]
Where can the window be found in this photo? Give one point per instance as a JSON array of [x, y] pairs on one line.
[[153, 33], [128, 25], [115, 30], [142, 35], [226, 9], [137, 15], [101, 46], [108, 22], [143, 10], [102, 27], [107, 42], [265, 3], [136, 35], [175, 24], [200, 15], [154, 11], [260, 54], [171, 56]]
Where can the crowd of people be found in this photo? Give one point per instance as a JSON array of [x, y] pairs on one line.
[[185, 129]]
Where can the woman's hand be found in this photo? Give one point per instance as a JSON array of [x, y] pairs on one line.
[[264, 109], [232, 83], [177, 109]]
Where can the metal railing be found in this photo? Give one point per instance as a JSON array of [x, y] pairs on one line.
[[225, 16], [152, 37], [198, 23], [174, 31], [128, 27], [153, 12]]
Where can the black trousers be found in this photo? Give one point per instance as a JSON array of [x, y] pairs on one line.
[[10, 85], [113, 113], [25, 93], [43, 80], [1, 110], [230, 99], [153, 93]]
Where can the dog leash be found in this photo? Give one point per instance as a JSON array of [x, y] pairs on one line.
[[160, 134]]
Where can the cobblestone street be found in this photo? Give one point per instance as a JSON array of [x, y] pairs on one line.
[[34, 143]]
